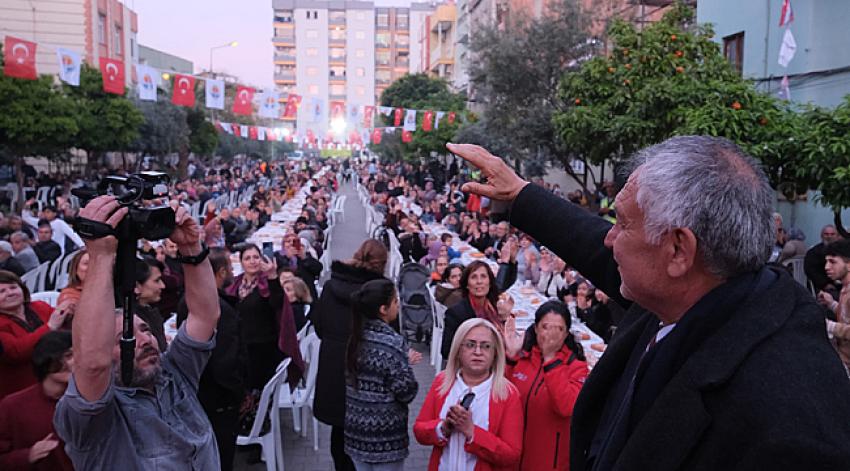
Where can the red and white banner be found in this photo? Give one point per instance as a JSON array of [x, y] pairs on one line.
[[786, 16], [427, 119], [368, 112], [406, 136], [452, 116], [20, 58], [293, 101], [183, 93], [242, 104], [337, 110], [376, 136], [397, 117], [112, 71]]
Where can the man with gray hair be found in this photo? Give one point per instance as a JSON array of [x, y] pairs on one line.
[[721, 362], [22, 245]]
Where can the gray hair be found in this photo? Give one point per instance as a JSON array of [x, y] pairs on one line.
[[710, 186], [20, 235]]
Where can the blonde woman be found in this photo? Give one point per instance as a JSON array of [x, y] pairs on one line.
[[472, 415], [299, 296]]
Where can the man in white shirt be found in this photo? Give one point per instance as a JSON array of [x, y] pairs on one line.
[[61, 229]]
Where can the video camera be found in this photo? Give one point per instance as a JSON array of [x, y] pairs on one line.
[[141, 222]]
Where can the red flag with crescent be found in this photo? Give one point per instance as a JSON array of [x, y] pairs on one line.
[[337, 110], [368, 112], [112, 71], [293, 101], [183, 93], [376, 136], [236, 129], [253, 133], [406, 136], [20, 58], [399, 114], [452, 116], [243, 101], [427, 120], [311, 138]]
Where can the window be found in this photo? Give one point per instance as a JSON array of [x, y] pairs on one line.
[[337, 53], [117, 40], [733, 49], [283, 32], [281, 16], [382, 20], [382, 57], [312, 51], [101, 29], [360, 35], [360, 91], [132, 47], [361, 72], [337, 89], [401, 21], [308, 14], [360, 53], [361, 15], [382, 39], [382, 75], [337, 34], [285, 69], [312, 34], [313, 90], [336, 16], [312, 71], [402, 40], [337, 71]]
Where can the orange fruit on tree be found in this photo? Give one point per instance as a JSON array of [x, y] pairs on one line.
[[628, 66], [680, 70], [627, 82], [626, 52], [578, 101], [672, 37], [736, 105], [763, 121], [679, 53], [611, 70]]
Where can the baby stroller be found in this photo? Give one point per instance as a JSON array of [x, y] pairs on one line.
[[415, 302]]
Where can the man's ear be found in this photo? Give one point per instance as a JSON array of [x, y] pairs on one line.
[[683, 244]]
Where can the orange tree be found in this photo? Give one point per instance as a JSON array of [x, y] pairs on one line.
[[671, 79]]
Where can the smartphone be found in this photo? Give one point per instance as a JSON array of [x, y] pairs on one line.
[[467, 400], [268, 251]]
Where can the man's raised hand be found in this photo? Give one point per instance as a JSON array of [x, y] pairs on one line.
[[502, 182]]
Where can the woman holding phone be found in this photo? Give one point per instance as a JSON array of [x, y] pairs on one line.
[[472, 415]]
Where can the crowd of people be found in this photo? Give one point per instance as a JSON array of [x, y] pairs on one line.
[[717, 358]]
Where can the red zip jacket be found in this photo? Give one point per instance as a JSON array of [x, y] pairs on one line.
[[497, 449], [548, 393], [16, 360]]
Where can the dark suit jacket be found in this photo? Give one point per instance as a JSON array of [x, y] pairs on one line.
[[760, 392]]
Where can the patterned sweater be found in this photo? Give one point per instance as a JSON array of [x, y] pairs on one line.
[[377, 398]]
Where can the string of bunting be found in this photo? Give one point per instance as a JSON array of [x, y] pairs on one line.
[[20, 63]]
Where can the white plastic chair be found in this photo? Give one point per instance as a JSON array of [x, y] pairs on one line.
[[34, 279], [270, 442], [302, 397], [339, 206], [49, 297]]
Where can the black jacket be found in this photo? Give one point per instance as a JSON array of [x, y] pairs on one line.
[[411, 247], [757, 392], [223, 382], [13, 265], [331, 317], [307, 268], [259, 315], [47, 251]]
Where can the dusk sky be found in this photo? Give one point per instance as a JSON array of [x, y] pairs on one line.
[[189, 28]]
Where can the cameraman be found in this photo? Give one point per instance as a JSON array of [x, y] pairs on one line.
[[157, 420]]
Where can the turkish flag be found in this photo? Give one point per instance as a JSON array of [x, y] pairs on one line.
[[353, 137], [427, 120], [112, 71], [253, 133], [184, 90], [311, 138], [293, 101], [242, 104], [399, 113], [406, 136], [368, 112], [451, 117], [337, 110], [236, 129], [20, 58], [376, 136]]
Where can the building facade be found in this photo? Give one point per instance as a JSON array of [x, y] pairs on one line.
[[164, 61], [342, 54], [93, 28], [440, 28], [750, 36]]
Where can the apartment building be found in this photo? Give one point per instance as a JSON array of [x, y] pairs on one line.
[[94, 28], [440, 39], [342, 54]]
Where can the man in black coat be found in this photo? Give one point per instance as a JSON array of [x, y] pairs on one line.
[[815, 259], [222, 385], [720, 362]]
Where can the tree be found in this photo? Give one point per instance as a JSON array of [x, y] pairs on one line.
[[36, 118], [164, 130], [422, 93], [515, 73], [670, 79], [107, 122]]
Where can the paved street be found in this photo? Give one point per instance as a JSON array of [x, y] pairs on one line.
[[298, 451]]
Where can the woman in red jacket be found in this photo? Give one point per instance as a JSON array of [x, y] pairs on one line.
[[22, 323], [548, 369], [472, 415]]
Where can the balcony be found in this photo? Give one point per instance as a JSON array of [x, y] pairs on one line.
[[336, 78], [382, 62], [402, 62], [337, 21], [285, 76], [336, 42], [284, 39], [381, 45], [382, 81], [336, 97], [336, 60], [284, 57]]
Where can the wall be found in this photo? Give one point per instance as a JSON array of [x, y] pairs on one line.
[[320, 62], [48, 23], [362, 21]]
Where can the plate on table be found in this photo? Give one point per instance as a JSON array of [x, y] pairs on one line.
[[476, 255], [535, 301], [527, 290], [520, 313], [599, 347], [582, 335]]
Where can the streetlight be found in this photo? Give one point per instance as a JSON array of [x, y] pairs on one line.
[[230, 44]]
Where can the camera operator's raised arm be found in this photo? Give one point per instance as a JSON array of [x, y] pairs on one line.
[[94, 320], [201, 292]]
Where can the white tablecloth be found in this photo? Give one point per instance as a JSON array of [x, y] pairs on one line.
[[526, 298]]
